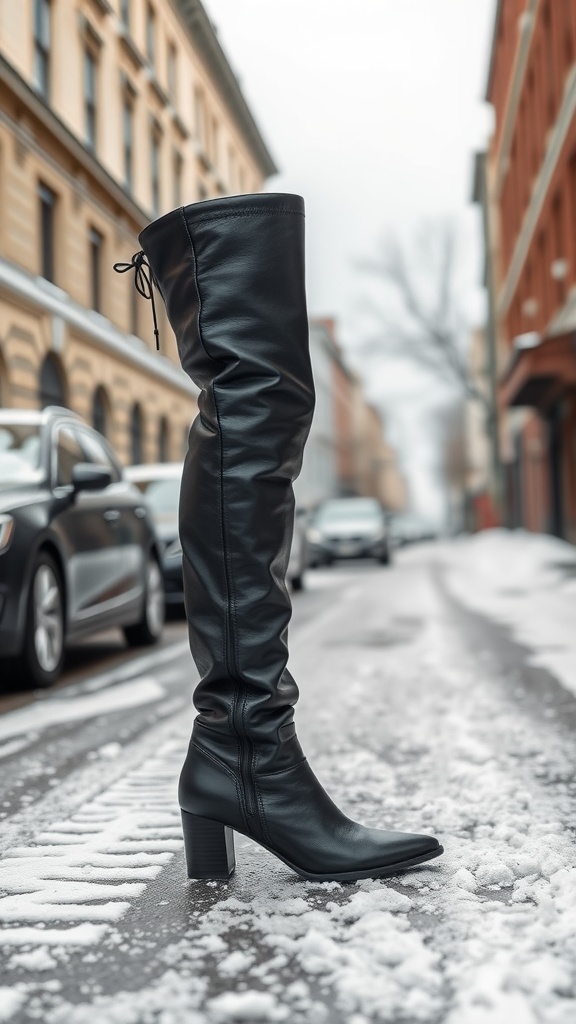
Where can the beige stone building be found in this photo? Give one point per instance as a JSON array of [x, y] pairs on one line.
[[376, 469], [111, 113]]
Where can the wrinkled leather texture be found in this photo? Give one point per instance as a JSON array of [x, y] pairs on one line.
[[231, 273]]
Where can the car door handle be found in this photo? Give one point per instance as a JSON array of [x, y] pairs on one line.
[[112, 515]]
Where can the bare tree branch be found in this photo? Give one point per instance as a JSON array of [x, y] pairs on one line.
[[426, 324]]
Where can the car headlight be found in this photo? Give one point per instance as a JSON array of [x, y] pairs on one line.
[[173, 549], [6, 531], [314, 536]]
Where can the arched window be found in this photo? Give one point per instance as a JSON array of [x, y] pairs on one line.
[[52, 383], [100, 407], [163, 440], [136, 434]]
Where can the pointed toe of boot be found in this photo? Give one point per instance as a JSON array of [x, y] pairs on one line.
[[406, 849]]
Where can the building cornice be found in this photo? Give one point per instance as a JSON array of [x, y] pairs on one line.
[[526, 30], [539, 193], [491, 65], [202, 32], [12, 80], [96, 329]]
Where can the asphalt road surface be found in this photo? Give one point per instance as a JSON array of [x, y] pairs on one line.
[[416, 714]]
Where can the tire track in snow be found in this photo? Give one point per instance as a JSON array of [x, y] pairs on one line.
[[82, 873]]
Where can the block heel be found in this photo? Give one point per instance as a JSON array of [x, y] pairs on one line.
[[209, 847]]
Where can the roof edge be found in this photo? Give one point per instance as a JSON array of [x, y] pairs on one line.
[[202, 32], [497, 17]]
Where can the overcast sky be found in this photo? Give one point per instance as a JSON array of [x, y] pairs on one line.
[[373, 110]]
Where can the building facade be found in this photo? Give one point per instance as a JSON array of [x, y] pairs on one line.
[[318, 479], [112, 112], [347, 454], [529, 197]]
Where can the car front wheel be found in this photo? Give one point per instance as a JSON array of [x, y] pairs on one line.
[[149, 629], [43, 654]]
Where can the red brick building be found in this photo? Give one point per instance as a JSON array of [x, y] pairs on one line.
[[529, 193]]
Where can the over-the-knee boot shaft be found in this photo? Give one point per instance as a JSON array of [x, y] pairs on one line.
[[231, 272]]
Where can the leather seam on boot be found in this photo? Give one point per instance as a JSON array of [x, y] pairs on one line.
[[254, 212], [282, 771], [261, 816], [231, 775], [219, 362], [216, 760], [231, 632]]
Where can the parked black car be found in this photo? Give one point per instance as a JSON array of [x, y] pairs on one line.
[[348, 528], [78, 550], [159, 484]]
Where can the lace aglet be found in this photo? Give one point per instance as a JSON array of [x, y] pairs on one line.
[[157, 336]]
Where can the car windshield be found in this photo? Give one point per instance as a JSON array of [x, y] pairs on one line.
[[162, 496], [19, 453], [342, 511]]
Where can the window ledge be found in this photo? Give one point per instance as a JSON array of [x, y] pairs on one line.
[[130, 47], [179, 123], [202, 156], [162, 96], [103, 6]]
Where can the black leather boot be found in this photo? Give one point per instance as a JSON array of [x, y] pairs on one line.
[[231, 273]]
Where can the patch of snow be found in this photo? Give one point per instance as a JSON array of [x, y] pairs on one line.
[[526, 581], [34, 960], [246, 1006], [11, 1000], [57, 711]]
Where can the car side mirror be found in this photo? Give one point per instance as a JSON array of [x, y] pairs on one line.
[[87, 477]]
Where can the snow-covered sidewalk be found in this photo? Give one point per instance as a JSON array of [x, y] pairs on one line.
[[409, 726], [525, 581]]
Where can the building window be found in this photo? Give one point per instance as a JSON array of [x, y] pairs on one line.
[[150, 34], [136, 434], [214, 141], [90, 73], [96, 243], [128, 142], [47, 200], [200, 117], [42, 46], [155, 169], [177, 172], [52, 389], [202, 192], [100, 411], [163, 440], [172, 74], [125, 13]]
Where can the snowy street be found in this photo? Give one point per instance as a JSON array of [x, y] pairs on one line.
[[438, 695]]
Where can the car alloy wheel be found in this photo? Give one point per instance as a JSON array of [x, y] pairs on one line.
[[148, 629], [48, 618]]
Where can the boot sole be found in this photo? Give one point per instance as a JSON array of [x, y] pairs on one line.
[[209, 847]]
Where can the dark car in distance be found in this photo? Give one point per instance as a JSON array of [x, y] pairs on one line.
[[78, 549], [348, 528]]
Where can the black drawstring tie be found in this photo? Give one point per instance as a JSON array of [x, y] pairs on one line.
[[143, 283]]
